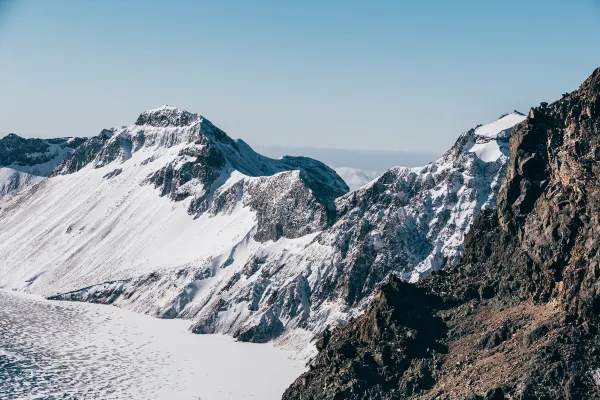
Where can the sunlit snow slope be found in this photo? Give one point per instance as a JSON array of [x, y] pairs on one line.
[[171, 217]]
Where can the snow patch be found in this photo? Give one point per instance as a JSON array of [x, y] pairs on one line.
[[503, 123]]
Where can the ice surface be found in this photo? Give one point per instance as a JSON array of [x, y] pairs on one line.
[[55, 349]]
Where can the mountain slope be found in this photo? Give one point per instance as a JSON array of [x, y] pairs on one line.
[[408, 221], [171, 192], [26, 162], [518, 318], [171, 217]]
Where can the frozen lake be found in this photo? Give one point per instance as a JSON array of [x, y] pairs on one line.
[[61, 350]]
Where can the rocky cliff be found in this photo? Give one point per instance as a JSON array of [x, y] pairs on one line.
[[518, 317], [26, 162]]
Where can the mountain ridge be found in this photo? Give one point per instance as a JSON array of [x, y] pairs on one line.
[[518, 317], [266, 287], [26, 162], [195, 225]]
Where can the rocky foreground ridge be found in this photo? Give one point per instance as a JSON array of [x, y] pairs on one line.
[[517, 318]]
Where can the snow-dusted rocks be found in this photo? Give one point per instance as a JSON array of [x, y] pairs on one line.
[[407, 222], [158, 203], [201, 160], [26, 162], [413, 220], [171, 217]]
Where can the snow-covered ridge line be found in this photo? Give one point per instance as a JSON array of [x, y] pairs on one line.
[[27, 162], [204, 147], [180, 221], [117, 211], [503, 123]]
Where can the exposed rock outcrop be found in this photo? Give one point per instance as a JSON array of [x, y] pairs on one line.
[[27, 162], [518, 317]]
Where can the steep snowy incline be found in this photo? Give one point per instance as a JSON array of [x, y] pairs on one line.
[[13, 181], [169, 196], [26, 162], [407, 222]]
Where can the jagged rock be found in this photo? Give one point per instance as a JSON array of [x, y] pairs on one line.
[[407, 222], [206, 160], [27, 162], [519, 314]]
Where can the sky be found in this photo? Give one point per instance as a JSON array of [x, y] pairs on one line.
[[362, 75]]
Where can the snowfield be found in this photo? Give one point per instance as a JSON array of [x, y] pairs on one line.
[[58, 349], [13, 181]]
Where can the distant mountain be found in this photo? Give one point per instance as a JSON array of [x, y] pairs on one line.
[[170, 193], [26, 162], [365, 160], [518, 317]]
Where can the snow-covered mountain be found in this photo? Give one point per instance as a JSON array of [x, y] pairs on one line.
[[409, 221], [171, 217], [26, 162], [172, 197]]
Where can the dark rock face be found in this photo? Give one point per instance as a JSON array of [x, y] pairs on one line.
[[18, 151], [297, 210], [166, 116], [518, 317], [404, 335], [84, 154]]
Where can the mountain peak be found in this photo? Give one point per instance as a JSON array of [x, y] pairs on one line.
[[11, 136], [167, 116], [503, 123]]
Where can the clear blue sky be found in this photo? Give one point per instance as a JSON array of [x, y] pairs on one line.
[[393, 75]]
